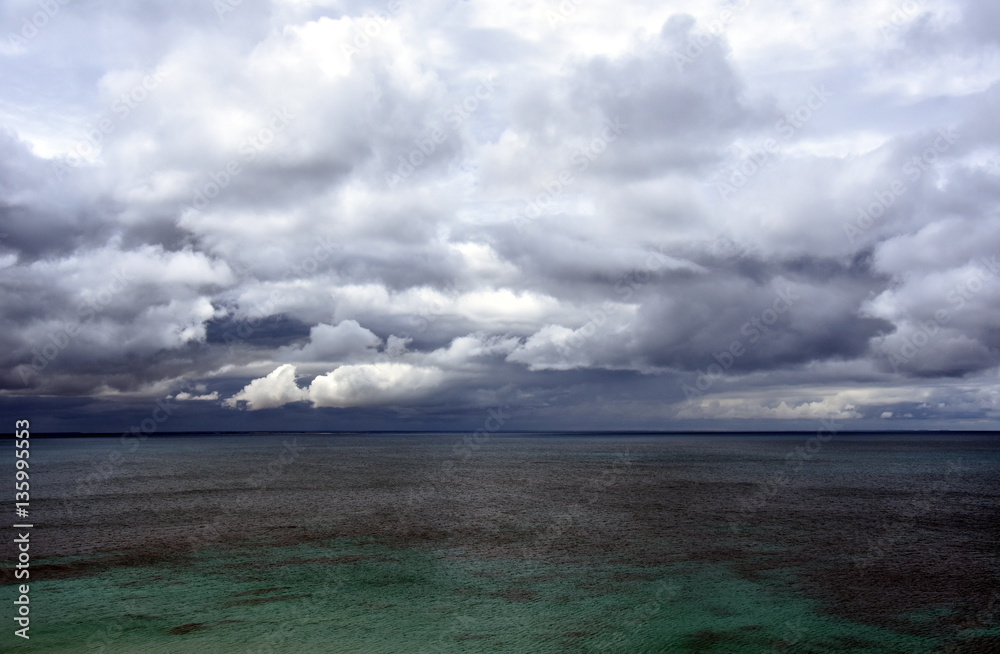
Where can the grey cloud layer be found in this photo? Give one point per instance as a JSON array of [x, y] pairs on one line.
[[435, 207]]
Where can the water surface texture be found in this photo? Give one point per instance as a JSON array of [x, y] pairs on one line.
[[516, 543]]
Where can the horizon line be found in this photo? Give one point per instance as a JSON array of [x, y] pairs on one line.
[[606, 432]]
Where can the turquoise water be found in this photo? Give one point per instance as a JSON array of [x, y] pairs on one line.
[[349, 597]]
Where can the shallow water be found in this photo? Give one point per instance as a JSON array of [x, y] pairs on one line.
[[403, 543]]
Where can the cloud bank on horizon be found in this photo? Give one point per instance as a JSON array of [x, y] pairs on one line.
[[636, 214]]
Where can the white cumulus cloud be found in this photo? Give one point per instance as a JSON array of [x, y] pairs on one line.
[[277, 389]]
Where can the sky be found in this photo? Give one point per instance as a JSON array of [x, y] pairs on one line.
[[441, 215]]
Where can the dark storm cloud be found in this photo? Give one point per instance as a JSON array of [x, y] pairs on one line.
[[264, 331], [41, 217], [377, 214]]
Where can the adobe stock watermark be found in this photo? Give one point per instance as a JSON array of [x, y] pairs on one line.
[[434, 137], [794, 461], [262, 311], [981, 616], [130, 441], [665, 593], [224, 518], [562, 12], [698, 43], [901, 15], [249, 149], [958, 296], [496, 418], [325, 585], [757, 159], [32, 26], [626, 286], [61, 338], [753, 329], [120, 110], [914, 168], [223, 7], [257, 315], [905, 520], [428, 314], [580, 162], [462, 452], [371, 30], [592, 490]]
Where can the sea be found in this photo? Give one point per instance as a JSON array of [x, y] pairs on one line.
[[552, 543]]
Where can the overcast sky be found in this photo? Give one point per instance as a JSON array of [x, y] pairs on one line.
[[311, 214]]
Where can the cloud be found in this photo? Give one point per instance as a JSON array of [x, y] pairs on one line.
[[353, 385], [188, 397], [376, 384], [748, 409], [602, 342], [340, 342], [275, 390]]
